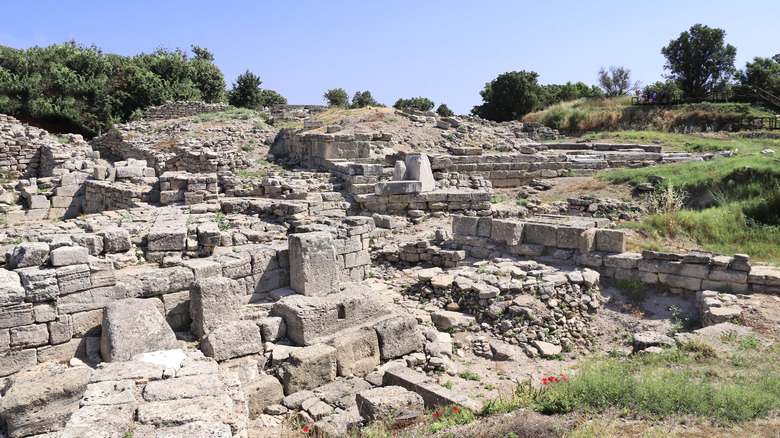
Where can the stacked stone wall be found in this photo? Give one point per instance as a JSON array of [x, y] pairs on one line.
[[602, 249], [174, 110]]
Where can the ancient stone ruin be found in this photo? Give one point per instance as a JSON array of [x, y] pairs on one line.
[[156, 282]]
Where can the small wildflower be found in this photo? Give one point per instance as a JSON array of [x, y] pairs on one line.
[[544, 381], [455, 409], [436, 414], [305, 428]]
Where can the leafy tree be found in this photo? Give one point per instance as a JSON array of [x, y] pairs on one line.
[[419, 103], [246, 91], [616, 81], [509, 97], [444, 111], [698, 60], [206, 76], [337, 97], [271, 97], [554, 93], [363, 99], [763, 73], [665, 90]]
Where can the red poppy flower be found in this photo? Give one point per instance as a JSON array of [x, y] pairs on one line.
[[455, 409], [436, 414], [305, 428], [544, 381]]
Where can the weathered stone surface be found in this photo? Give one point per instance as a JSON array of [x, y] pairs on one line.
[[183, 411], [213, 301], [610, 240], [540, 234], [29, 336], [73, 278], [69, 255], [651, 339], [308, 368], [272, 328], [341, 393], [167, 239], [129, 371], [110, 392], [502, 351], [11, 290], [717, 315], [115, 239], [17, 315], [233, 339], [262, 392], [211, 429], [381, 403], [546, 349], [15, 361], [311, 320], [398, 336], [37, 407], [446, 320], [418, 168], [508, 232], [187, 387], [433, 395], [28, 254], [133, 326], [100, 421], [313, 265], [40, 283], [357, 352], [689, 283]]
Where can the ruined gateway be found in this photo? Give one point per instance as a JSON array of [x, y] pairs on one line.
[[153, 285]]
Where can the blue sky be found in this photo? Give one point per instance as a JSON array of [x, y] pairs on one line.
[[443, 50]]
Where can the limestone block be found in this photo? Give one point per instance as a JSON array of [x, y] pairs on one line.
[[465, 225], [610, 240], [12, 362], [717, 315], [587, 241], [101, 272], [73, 278], [546, 349], [90, 299], [213, 301], [313, 266], [308, 368], [98, 420], [115, 239], [671, 280], [399, 170], [28, 254], [311, 320], [93, 242], [540, 234], [186, 387], [446, 320], [11, 289], [433, 395], [44, 405], [357, 352], [133, 326], [29, 336], [60, 330], [272, 328], [418, 168], [16, 315], [262, 392], [177, 309], [388, 188], [69, 255], [189, 410], [209, 234], [398, 336], [38, 202], [381, 403], [728, 275], [167, 239], [233, 339], [626, 260], [569, 237], [211, 429]]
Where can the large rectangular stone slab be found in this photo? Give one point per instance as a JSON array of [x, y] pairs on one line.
[[313, 263], [308, 368], [315, 319]]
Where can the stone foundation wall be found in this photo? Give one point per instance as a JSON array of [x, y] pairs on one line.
[[111, 195], [173, 110], [313, 149], [188, 188], [515, 170], [578, 242], [438, 200], [296, 112]]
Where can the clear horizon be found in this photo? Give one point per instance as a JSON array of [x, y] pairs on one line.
[[445, 51]]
